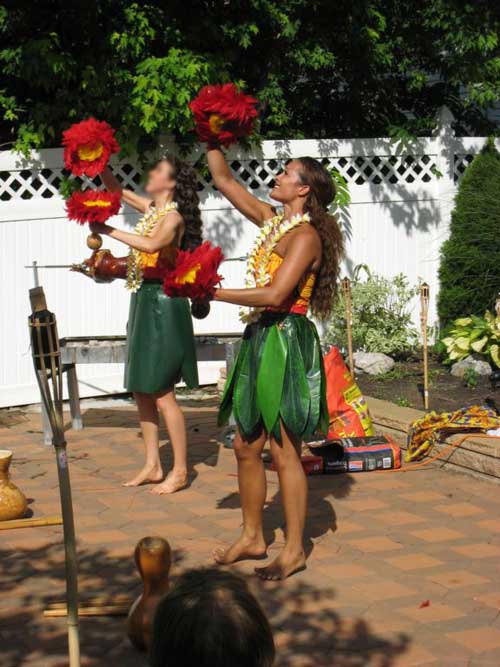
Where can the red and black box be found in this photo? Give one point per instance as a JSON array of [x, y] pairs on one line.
[[356, 454]]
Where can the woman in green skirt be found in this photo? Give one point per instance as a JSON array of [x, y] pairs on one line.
[[160, 340], [276, 388]]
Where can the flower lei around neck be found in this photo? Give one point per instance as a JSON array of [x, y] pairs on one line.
[[272, 231], [143, 228]]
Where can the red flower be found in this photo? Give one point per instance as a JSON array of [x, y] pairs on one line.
[[195, 275], [222, 114], [88, 146], [92, 206]]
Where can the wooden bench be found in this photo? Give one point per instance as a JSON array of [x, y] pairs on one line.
[[112, 350]]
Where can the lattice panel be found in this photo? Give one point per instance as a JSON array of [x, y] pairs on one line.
[[376, 170], [461, 162], [254, 174], [44, 183]]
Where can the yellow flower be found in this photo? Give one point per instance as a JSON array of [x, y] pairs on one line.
[[90, 152], [188, 277], [215, 123]]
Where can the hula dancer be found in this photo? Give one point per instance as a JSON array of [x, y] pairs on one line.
[[276, 388], [161, 348]]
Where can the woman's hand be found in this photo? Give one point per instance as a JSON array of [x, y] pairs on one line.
[[99, 228]]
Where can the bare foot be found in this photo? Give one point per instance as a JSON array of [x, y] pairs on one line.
[[150, 474], [244, 548], [174, 482], [283, 566]]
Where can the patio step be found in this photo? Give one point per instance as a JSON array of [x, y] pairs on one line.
[[479, 457]]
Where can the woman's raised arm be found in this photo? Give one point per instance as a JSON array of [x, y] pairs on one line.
[[136, 201], [252, 208]]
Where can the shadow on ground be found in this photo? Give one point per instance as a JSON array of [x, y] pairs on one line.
[[308, 630], [321, 516]]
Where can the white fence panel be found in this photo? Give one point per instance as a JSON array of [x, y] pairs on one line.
[[398, 218]]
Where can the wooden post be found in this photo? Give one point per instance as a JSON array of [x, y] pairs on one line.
[[46, 355], [346, 290], [424, 311]]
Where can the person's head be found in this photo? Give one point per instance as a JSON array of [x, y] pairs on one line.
[[307, 180], [211, 619], [173, 177]]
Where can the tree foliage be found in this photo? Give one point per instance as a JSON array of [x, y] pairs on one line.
[[470, 259], [364, 68]]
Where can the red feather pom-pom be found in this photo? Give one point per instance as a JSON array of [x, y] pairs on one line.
[[88, 146], [195, 274], [222, 114], [92, 206]]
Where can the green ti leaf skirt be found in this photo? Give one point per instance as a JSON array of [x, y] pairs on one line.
[[161, 348], [278, 376]]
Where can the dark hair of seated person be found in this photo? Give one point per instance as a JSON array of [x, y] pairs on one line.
[[211, 619]]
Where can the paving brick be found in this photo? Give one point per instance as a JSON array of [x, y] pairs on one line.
[[480, 550], [459, 509], [457, 579], [432, 613], [374, 544], [477, 639], [491, 599], [416, 561], [440, 534]]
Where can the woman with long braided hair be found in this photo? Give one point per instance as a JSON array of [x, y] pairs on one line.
[[276, 388], [160, 339]]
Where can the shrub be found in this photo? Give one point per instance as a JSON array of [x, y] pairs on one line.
[[380, 313], [471, 378], [473, 335], [470, 258]]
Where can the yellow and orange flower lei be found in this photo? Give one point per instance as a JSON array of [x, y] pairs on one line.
[[135, 257], [271, 232]]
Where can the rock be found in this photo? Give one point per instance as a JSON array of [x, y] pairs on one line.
[[481, 367], [373, 363]]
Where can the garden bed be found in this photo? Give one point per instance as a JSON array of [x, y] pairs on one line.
[[404, 387]]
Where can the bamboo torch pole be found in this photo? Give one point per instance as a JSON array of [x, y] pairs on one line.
[[424, 311], [346, 290], [48, 369]]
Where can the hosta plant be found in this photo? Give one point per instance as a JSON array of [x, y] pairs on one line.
[[474, 335]]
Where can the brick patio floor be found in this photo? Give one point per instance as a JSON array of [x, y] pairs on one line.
[[403, 568]]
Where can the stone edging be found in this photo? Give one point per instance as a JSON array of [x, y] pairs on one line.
[[476, 456]]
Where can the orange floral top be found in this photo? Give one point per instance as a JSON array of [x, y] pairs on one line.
[[298, 301], [153, 264]]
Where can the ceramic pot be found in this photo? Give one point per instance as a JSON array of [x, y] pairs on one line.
[[13, 504], [153, 558]]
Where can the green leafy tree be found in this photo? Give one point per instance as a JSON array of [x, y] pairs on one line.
[[469, 272], [320, 69]]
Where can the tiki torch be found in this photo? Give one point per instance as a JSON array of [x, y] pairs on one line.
[[48, 369], [346, 290], [424, 311]]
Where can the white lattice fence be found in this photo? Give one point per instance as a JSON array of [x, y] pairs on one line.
[[396, 222]]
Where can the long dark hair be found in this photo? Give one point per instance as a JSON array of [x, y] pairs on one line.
[[211, 619], [322, 193], [188, 202]]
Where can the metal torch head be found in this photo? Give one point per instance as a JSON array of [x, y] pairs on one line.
[[346, 285]]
